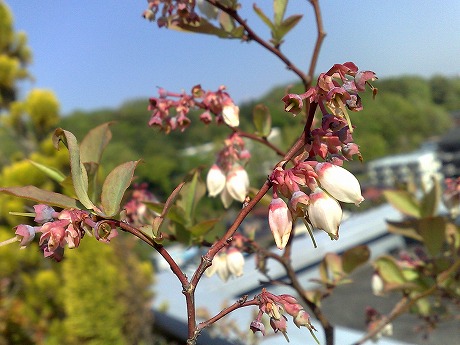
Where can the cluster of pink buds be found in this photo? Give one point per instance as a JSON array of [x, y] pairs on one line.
[[137, 212], [276, 307], [227, 176], [313, 190], [59, 229], [170, 110], [336, 91], [451, 196], [166, 12], [227, 263]]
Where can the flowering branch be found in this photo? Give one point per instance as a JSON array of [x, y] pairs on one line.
[[399, 309], [241, 303]]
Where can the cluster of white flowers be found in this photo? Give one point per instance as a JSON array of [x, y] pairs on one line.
[[227, 264], [231, 186], [320, 207]]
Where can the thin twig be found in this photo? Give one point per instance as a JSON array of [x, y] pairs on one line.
[[306, 80], [319, 38]]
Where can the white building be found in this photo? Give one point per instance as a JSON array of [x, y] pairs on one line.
[[419, 166]]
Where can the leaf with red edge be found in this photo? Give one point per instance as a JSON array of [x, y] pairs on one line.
[[79, 174], [41, 196], [115, 186], [95, 142]]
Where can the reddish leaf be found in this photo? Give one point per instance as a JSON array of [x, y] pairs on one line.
[[41, 196]]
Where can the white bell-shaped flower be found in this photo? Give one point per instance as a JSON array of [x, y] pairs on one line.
[[339, 182], [324, 212], [280, 221], [238, 183], [235, 262], [215, 180], [231, 115]]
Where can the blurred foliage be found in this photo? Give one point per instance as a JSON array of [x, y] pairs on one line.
[[427, 274], [42, 302], [15, 55]]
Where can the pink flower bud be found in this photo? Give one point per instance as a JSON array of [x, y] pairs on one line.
[[44, 213], [231, 115], [53, 233], [293, 103], [257, 326], [238, 183], [280, 221], [235, 262], [325, 213], [302, 319], [299, 202], [279, 324], [339, 182], [26, 233], [215, 180]]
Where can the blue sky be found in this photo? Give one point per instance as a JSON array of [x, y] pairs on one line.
[[95, 54]]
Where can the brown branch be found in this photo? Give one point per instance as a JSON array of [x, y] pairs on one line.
[[319, 39], [306, 80], [400, 308], [159, 248], [241, 303]]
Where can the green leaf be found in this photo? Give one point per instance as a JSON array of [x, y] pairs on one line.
[[238, 32], [262, 120], [279, 7], [424, 307], [191, 193], [355, 257], [404, 202], [115, 186], [79, 175], [406, 228], [94, 143], [203, 227], [264, 18], [182, 234], [390, 271], [330, 268], [51, 172], [286, 26], [429, 203], [41, 196], [176, 214], [433, 232]]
